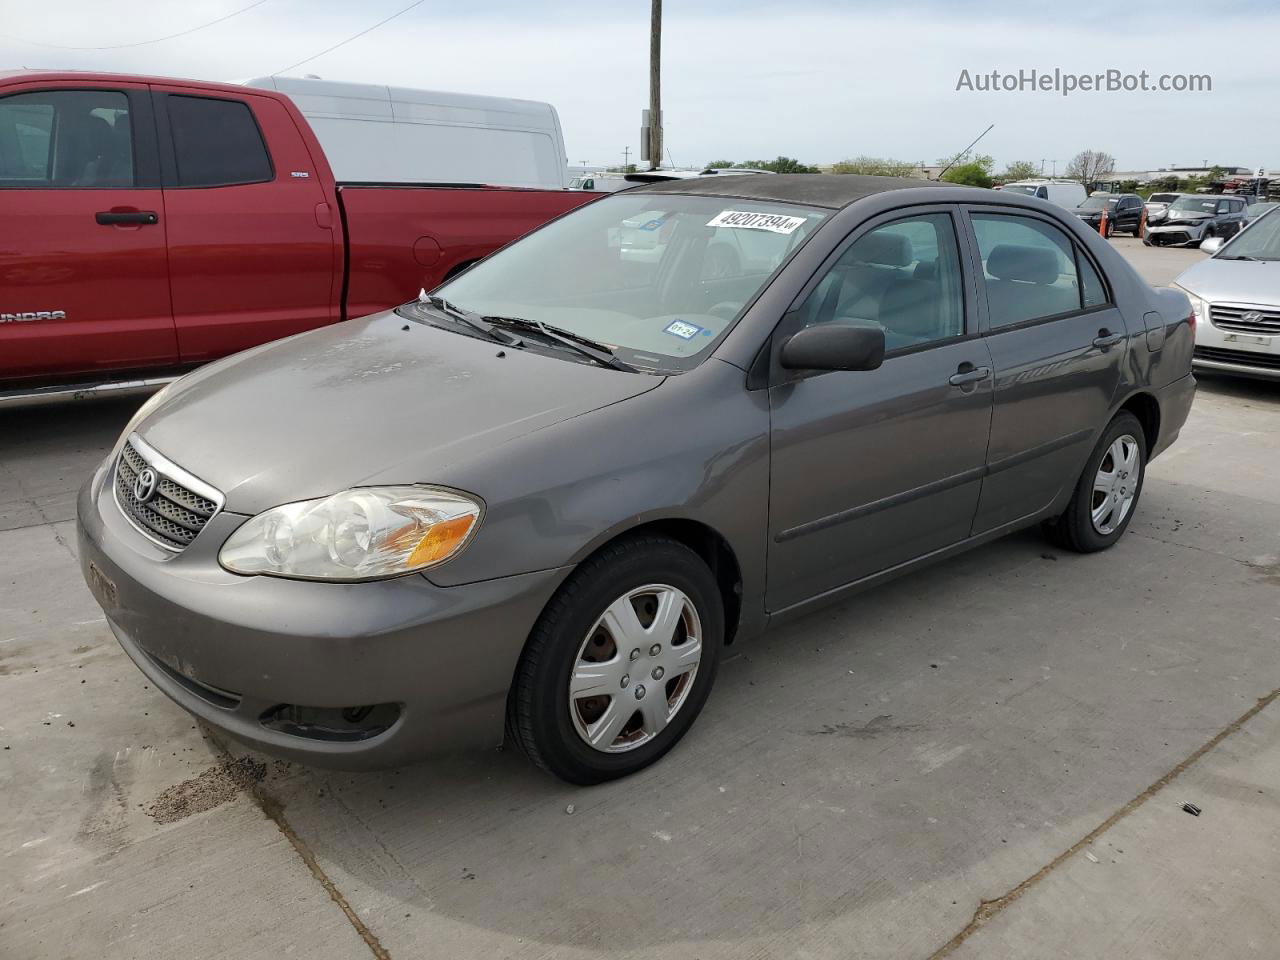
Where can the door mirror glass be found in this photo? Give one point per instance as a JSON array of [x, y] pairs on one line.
[[1211, 245], [834, 346]]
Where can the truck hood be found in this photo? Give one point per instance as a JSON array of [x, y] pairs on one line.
[[378, 400]]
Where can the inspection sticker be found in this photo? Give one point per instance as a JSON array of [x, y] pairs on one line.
[[773, 222], [685, 331]]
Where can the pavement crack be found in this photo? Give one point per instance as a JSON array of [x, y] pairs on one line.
[[987, 909], [273, 810]]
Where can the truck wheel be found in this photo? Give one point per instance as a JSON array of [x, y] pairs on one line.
[[620, 663], [1107, 492]]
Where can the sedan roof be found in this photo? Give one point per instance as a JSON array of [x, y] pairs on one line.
[[813, 189]]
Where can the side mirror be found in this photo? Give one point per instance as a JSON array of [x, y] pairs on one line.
[[831, 346], [1211, 245]]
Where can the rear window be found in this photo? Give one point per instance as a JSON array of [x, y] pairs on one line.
[[216, 143], [66, 138]]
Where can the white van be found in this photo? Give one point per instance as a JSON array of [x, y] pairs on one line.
[[377, 134], [1065, 193]]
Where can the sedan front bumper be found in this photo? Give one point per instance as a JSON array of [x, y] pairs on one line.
[[272, 661]]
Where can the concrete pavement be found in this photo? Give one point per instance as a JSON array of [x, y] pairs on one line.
[[861, 782]]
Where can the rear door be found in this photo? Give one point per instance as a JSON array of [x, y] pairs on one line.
[[254, 249], [83, 278], [1057, 345]]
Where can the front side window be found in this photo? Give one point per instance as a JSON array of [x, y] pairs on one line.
[[656, 277], [66, 138], [903, 277], [1029, 269], [216, 142]]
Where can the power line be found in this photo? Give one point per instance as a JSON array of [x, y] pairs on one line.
[[354, 36], [143, 43]]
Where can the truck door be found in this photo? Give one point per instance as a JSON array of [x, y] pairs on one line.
[[83, 278], [254, 250]]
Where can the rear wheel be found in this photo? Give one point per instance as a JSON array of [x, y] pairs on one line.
[[1109, 229], [1107, 493], [620, 663]]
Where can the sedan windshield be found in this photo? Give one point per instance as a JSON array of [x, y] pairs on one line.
[[1162, 198], [1194, 205], [1260, 242], [656, 278], [1028, 188]]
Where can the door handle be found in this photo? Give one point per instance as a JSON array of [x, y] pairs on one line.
[[974, 375], [1106, 338], [115, 218]]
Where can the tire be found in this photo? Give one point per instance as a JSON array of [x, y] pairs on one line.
[[1075, 529], [1109, 229], [1207, 235], [552, 727]]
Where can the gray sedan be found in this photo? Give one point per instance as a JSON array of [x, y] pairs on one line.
[[543, 499]]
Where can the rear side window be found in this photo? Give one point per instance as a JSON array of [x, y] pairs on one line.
[[1029, 269], [216, 143], [1092, 292], [66, 138]]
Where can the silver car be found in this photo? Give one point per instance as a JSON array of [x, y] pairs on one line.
[[544, 498], [1236, 298]]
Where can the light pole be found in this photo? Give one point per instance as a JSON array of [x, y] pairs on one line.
[[655, 91]]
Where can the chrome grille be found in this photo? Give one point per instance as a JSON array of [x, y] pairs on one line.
[[175, 513], [1245, 319]]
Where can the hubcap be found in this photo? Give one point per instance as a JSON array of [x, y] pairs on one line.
[[653, 631], [1115, 485]]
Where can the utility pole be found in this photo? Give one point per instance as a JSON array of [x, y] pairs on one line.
[[655, 91], [626, 159], [1042, 166]]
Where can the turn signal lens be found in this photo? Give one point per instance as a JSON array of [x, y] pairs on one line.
[[368, 533]]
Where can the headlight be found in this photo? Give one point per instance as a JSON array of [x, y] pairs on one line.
[[1198, 306], [368, 533]]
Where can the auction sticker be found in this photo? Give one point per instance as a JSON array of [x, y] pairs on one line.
[[683, 330], [773, 222]]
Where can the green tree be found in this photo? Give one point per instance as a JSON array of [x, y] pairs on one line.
[[1018, 170], [720, 164], [972, 174], [877, 167], [781, 165]]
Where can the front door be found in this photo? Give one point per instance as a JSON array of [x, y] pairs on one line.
[[870, 469], [84, 283], [1057, 344]]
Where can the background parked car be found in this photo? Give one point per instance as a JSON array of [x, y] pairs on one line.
[[1157, 206], [1065, 193], [1256, 209], [1124, 212], [1195, 217], [1236, 297]]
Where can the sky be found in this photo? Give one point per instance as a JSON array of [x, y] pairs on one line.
[[820, 80]]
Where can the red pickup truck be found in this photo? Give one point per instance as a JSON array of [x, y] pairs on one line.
[[149, 225]]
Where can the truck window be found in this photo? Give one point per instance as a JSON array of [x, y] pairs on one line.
[[216, 143], [66, 138]]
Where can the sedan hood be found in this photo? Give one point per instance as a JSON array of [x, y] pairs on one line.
[[1234, 281], [376, 400]]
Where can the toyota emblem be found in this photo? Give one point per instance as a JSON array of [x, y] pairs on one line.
[[144, 487], [1253, 316]]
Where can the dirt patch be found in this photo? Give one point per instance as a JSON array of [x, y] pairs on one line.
[[876, 727], [216, 786]]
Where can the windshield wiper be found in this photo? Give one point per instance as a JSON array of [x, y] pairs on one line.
[[597, 351], [1242, 256], [472, 320]]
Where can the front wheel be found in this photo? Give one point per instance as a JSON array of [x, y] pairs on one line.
[[620, 663], [1109, 229], [1107, 493]]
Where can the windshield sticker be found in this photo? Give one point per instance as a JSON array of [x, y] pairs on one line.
[[653, 225], [773, 222], [683, 330]]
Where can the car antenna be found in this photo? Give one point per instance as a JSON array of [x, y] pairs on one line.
[[956, 158]]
